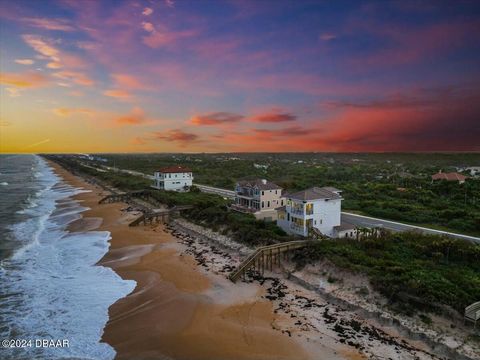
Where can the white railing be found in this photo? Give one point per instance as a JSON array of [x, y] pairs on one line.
[[298, 228]]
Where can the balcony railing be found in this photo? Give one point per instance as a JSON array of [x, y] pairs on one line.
[[297, 211], [250, 194], [297, 227]]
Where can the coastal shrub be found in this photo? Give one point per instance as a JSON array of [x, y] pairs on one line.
[[422, 270]]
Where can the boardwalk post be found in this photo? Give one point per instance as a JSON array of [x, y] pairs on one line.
[[271, 260]]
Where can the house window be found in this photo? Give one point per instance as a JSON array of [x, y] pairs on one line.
[[263, 204], [309, 209], [263, 192], [282, 202], [268, 203]]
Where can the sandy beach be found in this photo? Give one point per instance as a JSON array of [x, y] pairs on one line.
[[184, 307], [170, 314]]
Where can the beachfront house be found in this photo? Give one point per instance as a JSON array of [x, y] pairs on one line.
[[173, 178], [259, 197], [317, 209]]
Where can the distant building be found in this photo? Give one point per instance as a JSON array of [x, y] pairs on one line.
[[473, 170], [259, 197], [173, 178], [453, 176], [315, 209]]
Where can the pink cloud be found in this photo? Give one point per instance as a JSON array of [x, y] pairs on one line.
[[216, 118], [75, 76], [163, 37], [327, 37], [127, 81], [47, 49], [147, 11], [175, 135], [273, 117], [49, 24], [410, 45], [148, 26]]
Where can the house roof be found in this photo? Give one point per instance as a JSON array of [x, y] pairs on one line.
[[174, 169], [331, 188], [344, 226], [314, 193], [453, 176], [261, 184]]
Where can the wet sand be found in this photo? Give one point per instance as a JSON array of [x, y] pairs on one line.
[[177, 311]]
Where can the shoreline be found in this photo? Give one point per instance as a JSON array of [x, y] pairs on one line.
[[170, 313], [183, 306]]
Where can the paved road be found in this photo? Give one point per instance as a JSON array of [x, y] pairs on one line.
[[354, 219], [368, 221], [360, 220], [218, 191]]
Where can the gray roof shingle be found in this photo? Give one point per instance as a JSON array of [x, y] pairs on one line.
[[314, 193], [259, 183]]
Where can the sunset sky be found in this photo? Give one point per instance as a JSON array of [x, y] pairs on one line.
[[215, 76]]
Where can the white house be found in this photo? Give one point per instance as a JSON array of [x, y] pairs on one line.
[[317, 207], [173, 178], [259, 197]]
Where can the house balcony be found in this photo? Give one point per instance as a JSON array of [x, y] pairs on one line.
[[246, 194], [244, 209], [297, 228], [297, 211]]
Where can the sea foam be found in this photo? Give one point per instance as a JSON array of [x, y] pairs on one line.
[[51, 288]]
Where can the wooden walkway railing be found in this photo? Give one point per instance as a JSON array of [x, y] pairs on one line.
[[157, 215], [472, 313], [266, 256]]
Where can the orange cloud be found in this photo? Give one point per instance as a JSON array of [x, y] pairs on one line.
[[216, 118], [24, 61], [71, 111], [24, 80], [117, 93], [137, 141], [136, 117], [274, 117]]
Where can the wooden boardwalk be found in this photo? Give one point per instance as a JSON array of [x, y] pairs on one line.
[[158, 215], [266, 257]]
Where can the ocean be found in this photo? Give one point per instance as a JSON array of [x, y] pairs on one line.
[[50, 285]]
